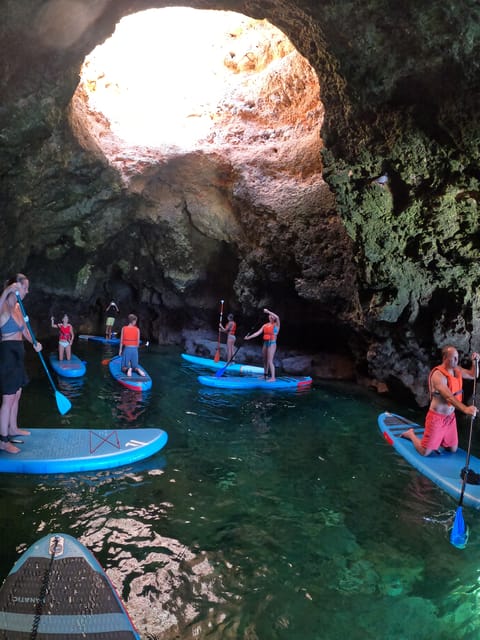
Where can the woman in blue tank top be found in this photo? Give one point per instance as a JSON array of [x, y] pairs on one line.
[[13, 376]]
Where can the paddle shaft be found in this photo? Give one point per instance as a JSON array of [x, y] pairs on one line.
[[221, 371], [34, 340], [469, 448], [107, 360]]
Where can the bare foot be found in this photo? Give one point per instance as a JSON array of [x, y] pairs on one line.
[[407, 434], [140, 372], [8, 447], [129, 372], [271, 380], [18, 432]]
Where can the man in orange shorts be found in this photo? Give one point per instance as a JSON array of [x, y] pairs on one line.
[[445, 387]]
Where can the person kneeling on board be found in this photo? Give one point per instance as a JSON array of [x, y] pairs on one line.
[[445, 388], [129, 343]]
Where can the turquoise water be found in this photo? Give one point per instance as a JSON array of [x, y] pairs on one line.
[[267, 516]]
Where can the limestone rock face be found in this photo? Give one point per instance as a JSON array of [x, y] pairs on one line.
[[276, 202]]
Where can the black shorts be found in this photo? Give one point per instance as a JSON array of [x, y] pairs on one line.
[[12, 367]]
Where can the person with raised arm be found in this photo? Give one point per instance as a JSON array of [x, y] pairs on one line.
[[270, 332]]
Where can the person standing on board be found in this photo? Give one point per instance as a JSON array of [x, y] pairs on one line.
[[110, 321], [65, 337], [13, 376], [270, 331], [446, 395], [229, 329], [129, 343]]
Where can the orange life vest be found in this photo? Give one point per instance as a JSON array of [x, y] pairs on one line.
[[231, 327], [269, 331], [454, 383], [130, 336]]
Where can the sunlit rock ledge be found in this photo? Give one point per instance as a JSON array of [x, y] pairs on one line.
[[338, 184]]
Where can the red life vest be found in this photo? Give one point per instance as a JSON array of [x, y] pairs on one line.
[[65, 332], [130, 336], [454, 383], [231, 327]]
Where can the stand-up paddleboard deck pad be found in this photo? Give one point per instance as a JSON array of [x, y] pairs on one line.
[[73, 450], [233, 367], [254, 382], [135, 382], [441, 468], [57, 590], [73, 368]]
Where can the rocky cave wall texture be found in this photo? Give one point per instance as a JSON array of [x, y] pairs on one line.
[[284, 208]]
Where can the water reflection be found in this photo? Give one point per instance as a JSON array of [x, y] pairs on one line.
[[129, 405], [70, 387]]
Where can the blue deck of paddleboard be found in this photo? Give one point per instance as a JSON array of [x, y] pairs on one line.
[[253, 382], [443, 469], [135, 381], [233, 367], [102, 339], [73, 450], [73, 368], [57, 589]]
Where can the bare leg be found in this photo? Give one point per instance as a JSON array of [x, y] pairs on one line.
[[13, 429], [271, 354], [68, 352], [7, 404], [265, 361], [60, 352], [417, 443]]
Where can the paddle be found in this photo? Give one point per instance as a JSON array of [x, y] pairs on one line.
[[107, 360], [220, 372], [217, 352], [63, 403], [459, 532]]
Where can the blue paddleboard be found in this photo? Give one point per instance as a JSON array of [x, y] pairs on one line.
[[102, 339], [443, 469], [135, 382], [254, 382], [72, 450], [233, 367], [57, 589], [73, 368]]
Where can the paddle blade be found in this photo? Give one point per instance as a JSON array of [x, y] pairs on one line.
[[217, 355], [220, 372], [106, 361], [459, 532], [63, 403]]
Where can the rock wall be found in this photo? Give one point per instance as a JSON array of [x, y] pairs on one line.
[[385, 272]]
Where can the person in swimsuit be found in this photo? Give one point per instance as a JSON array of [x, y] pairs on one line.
[[445, 387], [65, 337], [110, 321], [270, 332], [229, 329], [13, 376], [129, 343]]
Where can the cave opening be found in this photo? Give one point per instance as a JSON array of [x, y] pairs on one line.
[[176, 81]]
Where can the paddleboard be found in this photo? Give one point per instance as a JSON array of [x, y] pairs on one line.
[[57, 589], [233, 367], [102, 339], [253, 382], [72, 450], [73, 368], [441, 468], [135, 382]]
